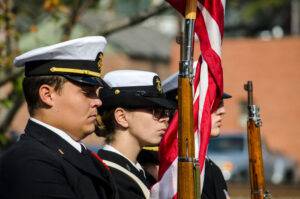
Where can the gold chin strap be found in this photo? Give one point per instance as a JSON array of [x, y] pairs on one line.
[[74, 71]]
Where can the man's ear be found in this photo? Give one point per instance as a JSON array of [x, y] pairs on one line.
[[120, 117], [46, 93]]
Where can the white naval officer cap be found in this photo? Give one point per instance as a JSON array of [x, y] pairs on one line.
[[79, 60], [134, 89]]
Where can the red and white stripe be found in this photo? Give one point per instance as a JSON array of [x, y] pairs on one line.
[[208, 91]]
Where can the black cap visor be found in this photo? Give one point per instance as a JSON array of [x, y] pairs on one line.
[[226, 96], [93, 81], [162, 102], [126, 101]]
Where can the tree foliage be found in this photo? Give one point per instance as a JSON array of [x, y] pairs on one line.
[[251, 17], [29, 24]]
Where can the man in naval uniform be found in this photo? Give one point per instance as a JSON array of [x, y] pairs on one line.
[[61, 87]]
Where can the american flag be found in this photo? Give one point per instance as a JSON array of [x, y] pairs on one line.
[[207, 94]]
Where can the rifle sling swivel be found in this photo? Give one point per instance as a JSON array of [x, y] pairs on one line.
[[186, 68], [185, 159], [254, 115], [260, 192]]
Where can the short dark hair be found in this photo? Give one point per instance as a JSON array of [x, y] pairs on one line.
[[31, 86]]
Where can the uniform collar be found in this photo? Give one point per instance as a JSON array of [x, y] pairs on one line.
[[112, 149], [60, 133]]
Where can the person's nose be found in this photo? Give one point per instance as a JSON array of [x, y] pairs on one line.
[[165, 119], [96, 103], [222, 111]]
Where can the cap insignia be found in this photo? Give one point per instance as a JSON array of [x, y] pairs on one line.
[[157, 83], [100, 62], [117, 92]]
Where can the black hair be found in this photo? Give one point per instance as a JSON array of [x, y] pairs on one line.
[[31, 86]]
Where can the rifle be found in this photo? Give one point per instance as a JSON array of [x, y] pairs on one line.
[[256, 165], [186, 148]]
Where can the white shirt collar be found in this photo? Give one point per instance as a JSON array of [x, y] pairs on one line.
[[60, 133], [112, 149]]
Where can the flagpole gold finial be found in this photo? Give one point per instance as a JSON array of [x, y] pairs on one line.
[[191, 9]]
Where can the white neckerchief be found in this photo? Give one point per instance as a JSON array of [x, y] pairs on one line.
[[60, 133], [112, 149]]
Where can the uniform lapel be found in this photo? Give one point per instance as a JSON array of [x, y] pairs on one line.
[[62, 148]]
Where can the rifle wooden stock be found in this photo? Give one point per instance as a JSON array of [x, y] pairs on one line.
[[186, 148], [186, 143], [256, 165]]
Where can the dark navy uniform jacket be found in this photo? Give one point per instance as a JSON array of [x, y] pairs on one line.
[[43, 165], [127, 187], [214, 185]]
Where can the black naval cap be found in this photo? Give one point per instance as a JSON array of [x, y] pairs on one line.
[[134, 89], [170, 86], [78, 60]]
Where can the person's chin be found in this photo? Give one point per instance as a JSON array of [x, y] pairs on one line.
[[215, 133], [89, 129], [153, 142]]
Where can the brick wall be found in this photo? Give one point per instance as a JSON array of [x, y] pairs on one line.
[[274, 68]]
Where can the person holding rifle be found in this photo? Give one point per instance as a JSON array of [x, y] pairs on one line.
[[135, 114], [213, 185]]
